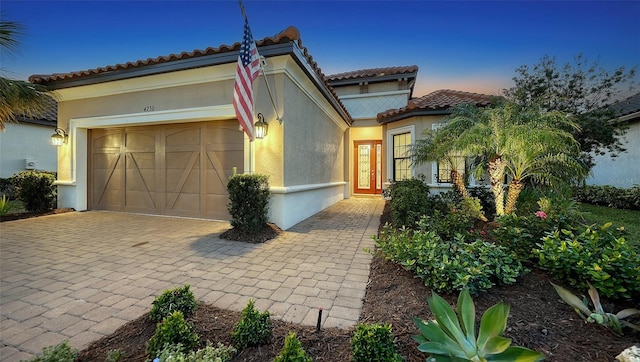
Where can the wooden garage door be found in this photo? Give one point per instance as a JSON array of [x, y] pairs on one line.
[[179, 170]]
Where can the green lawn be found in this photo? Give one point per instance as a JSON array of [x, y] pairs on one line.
[[630, 219]]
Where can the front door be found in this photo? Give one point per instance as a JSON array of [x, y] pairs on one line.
[[368, 167]]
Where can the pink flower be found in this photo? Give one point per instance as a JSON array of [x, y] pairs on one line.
[[541, 214], [483, 233]]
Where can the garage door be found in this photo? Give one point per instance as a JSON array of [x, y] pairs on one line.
[[179, 170]]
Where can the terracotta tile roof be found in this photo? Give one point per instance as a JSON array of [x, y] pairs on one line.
[[289, 34], [48, 117], [437, 102], [373, 73]]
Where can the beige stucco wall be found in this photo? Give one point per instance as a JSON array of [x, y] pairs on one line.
[[314, 143], [417, 125]]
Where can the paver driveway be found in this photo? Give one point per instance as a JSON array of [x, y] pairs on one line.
[[79, 276]]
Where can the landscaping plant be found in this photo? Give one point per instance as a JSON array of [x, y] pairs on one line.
[[373, 343], [173, 330], [59, 353], [36, 190], [176, 353], [253, 328], [449, 265], [610, 196], [248, 201], [599, 255], [410, 201], [6, 205], [451, 337], [292, 351], [177, 299], [614, 322]]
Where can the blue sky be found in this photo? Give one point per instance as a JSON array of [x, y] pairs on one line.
[[462, 45]]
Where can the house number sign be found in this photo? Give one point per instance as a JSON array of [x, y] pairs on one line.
[[149, 108]]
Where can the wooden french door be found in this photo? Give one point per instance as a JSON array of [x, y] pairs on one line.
[[367, 167]]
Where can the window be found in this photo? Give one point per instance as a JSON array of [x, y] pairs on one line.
[[402, 156], [443, 172]]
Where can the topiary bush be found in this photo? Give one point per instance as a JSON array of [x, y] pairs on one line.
[[592, 254], [248, 201], [173, 330], [253, 328], [292, 351], [373, 343], [36, 190], [171, 300]]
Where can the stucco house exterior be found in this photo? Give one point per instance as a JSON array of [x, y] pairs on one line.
[[160, 135], [26, 144], [624, 170]]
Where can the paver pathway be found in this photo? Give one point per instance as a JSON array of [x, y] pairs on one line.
[[80, 276]]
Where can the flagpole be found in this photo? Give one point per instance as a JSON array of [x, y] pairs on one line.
[[264, 75]]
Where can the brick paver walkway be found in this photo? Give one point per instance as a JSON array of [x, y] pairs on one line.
[[79, 276]]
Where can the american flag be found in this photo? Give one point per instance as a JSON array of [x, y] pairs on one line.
[[248, 68]]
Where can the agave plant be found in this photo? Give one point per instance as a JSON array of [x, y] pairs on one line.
[[612, 321], [452, 337]]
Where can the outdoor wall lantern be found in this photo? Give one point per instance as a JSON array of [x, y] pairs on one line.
[[261, 127], [60, 137]]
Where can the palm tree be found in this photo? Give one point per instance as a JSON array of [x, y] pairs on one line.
[[438, 145], [517, 142], [18, 98]]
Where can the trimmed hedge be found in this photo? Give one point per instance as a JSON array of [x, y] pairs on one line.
[[36, 190], [248, 201], [610, 196]]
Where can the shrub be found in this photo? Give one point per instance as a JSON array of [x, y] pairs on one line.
[[487, 200], [449, 265], [59, 353], [410, 201], [171, 300], [521, 234], [175, 353], [292, 351], [451, 337], [7, 187], [373, 343], [597, 255], [114, 355], [610, 196], [253, 329], [248, 201], [173, 330], [447, 225], [36, 190]]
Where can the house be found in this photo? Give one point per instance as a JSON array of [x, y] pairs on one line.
[[26, 144], [160, 135], [624, 170]]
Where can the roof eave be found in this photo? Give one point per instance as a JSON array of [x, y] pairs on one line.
[[415, 113]]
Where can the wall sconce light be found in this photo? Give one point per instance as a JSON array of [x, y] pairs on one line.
[[261, 127], [60, 137]]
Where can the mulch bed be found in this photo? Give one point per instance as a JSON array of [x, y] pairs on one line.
[[27, 215], [538, 320]]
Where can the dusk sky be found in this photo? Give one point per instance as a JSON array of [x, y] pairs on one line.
[[462, 45]]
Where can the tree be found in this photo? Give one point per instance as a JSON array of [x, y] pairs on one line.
[[516, 141], [582, 90], [18, 98]]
